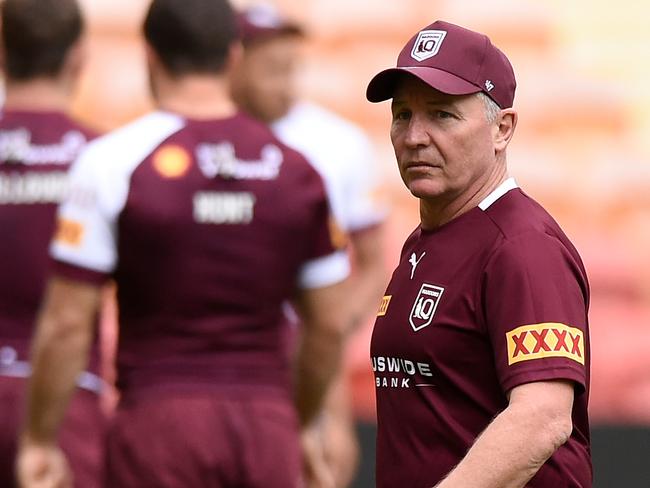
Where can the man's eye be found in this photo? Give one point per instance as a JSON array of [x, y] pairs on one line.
[[441, 114], [402, 115]]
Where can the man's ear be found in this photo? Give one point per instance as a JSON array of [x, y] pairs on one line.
[[504, 129], [75, 60], [151, 57], [234, 57]]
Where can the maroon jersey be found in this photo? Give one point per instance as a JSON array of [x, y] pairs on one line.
[[207, 227], [493, 299], [36, 149]]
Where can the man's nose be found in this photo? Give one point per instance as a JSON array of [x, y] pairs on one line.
[[417, 134]]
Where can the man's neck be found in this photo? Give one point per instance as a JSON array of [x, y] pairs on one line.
[[196, 97], [435, 213], [41, 94]]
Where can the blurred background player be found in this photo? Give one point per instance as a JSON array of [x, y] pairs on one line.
[[209, 224], [265, 85], [41, 60]]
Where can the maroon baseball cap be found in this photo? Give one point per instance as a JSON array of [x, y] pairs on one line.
[[453, 60], [262, 21]]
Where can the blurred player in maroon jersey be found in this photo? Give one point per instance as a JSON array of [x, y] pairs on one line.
[[42, 59], [208, 224], [481, 346], [265, 85]]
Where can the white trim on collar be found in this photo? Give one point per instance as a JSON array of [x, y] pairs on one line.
[[498, 192]]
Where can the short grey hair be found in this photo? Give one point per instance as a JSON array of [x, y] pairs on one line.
[[492, 110]]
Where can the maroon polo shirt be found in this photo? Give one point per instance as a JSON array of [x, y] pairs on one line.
[[494, 299]]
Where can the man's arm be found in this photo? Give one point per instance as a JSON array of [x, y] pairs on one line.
[[519, 440], [319, 353], [60, 351], [369, 277], [335, 432]]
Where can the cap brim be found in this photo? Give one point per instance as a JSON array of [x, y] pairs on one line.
[[383, 85]]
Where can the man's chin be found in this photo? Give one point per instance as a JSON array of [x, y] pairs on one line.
[[424, 190]]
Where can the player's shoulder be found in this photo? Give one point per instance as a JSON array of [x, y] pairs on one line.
[[258, 136], [411, 241], [51, 122], [516, 214], [130, 143], [527, 230], [256, 130]]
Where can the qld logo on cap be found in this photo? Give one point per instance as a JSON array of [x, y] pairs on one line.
[[427, 44]]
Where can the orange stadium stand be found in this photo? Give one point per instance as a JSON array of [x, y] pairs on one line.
[[580, 148]]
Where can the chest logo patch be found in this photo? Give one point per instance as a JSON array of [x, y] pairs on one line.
[[425, 306]]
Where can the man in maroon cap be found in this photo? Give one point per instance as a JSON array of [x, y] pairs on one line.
[[481, 344]]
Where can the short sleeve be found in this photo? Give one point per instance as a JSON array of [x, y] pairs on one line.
[[327, 262], [84, 244], [534, 298]]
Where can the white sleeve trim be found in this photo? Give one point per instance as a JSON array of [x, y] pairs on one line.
[[324, 271]]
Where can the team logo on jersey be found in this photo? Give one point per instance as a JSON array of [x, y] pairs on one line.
[[427, 44], [547, 340], [425, 306], [171, 161], [69, 232], [383, 306]]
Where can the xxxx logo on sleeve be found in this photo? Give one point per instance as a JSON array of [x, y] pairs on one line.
[[425, 306], [547, 340]]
